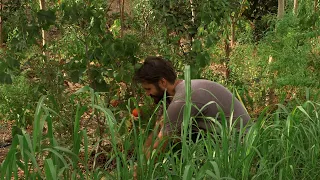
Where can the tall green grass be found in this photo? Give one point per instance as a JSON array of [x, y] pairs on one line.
[[281, 145]]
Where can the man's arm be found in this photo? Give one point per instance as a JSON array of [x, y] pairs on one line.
[[160, 137], [154, 142], [159, 142]]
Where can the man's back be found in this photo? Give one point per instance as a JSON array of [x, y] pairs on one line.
[[206, 96]]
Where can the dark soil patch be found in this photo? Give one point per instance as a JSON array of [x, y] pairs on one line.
[[5, 139]]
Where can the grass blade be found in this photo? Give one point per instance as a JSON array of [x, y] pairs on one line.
[[188, 171], [38, 124], [186, 112], [50, 169]]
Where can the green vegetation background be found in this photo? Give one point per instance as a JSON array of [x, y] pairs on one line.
[[81, 79]]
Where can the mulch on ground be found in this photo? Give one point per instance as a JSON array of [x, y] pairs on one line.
[[5, 139]]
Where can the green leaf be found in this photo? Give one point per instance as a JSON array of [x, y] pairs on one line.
[[186, 111], [57, 154], [83, 133], [216, 168], [36, 167], [100, 86], [39, 119], [75, 75], [50, 169], [202, 60], [16, 130], [84, 89], [76, 133], [211, 174], [304, 111], [13, 63], [6, 166], [65, 150], [46, 18], [5, 78], [188, 171]]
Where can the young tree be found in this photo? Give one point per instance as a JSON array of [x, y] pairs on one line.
[[44, 33], [121, 11], [280, 9], [1, 31], [295, 7]]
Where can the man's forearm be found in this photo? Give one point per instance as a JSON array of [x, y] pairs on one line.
[[152, 135], [159, 144], [148, 142], [155, 139]]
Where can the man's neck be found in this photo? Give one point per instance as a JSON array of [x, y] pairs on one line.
[[171, 89]]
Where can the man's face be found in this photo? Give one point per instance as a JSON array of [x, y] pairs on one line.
[[154, 91]]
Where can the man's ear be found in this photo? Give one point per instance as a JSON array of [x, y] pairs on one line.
[[163, 83]]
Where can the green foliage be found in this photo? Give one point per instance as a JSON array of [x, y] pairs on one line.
[[63, 162], [5, 78], [256, 11], [17, 101], [291, 49], [278, 145], [46, 18], [20, 26], [88, 40], [91, 44], [284, 60], [27, 148], [189, 32]]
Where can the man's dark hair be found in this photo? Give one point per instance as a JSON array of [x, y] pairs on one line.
[[153, 69]]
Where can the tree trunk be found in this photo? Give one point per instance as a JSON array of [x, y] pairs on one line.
[[1, 31], [270, 96], [227, 51], [280, 9], [193, 14], [44, 33], [316, 3], [295, 7], [192, 11], [233, 26], [121, 8]]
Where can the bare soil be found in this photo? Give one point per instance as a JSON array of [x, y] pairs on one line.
[[5, 138]]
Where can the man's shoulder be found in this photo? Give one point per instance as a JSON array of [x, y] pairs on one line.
[[202, 81], [197, 87], [198, 82]]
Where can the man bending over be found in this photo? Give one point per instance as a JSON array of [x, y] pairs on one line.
[[158, 76]]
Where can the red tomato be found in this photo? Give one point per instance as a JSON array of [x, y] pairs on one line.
[[135, 112]]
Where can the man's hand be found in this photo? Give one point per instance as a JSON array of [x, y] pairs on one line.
[[135, 172], [156, 138]]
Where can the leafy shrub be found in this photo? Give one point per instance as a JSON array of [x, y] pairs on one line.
[[17, 101]]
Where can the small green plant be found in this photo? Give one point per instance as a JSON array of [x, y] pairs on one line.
[[17, 101], [38, 152]]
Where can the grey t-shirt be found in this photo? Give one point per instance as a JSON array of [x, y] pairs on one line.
[[206, 96]]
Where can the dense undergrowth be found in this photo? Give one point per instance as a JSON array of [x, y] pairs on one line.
[[281, 144], [82, 126]]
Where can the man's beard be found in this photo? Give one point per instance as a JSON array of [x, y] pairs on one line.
[[159, 96], [156, 99]]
